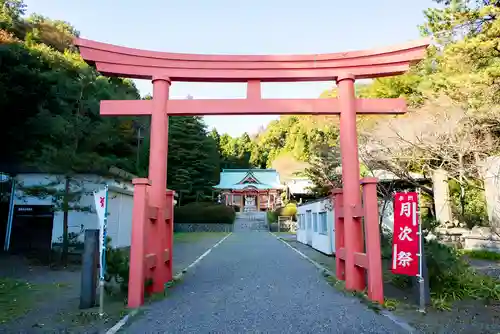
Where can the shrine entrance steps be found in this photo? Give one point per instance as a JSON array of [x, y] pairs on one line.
[[250, 221], [254, 283]]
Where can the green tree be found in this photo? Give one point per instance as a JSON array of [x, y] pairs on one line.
[[56, 95], [11, 12]]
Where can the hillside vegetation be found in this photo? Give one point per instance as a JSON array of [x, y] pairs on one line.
[[452, 123]]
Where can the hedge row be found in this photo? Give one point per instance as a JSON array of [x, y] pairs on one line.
[[204, 213]]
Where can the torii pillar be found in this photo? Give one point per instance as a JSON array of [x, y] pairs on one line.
[[350, 178], [162, 242], [152, 214]]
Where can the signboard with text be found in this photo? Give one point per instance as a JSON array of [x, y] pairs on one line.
[[406, 240]]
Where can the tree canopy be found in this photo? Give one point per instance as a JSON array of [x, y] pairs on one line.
[[51, 97], [55, 97]]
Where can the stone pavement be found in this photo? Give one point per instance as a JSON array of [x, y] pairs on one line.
[[253, 283]]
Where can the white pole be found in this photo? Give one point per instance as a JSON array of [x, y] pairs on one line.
[[103, 256], [420, 250]]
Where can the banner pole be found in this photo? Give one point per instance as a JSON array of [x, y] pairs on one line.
[[421, 282], [103, 255]]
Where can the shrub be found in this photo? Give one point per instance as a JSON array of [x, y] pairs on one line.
[[272, 216], [204, 213], [117, 268], [450, 277], [290, 210], [117, 271]]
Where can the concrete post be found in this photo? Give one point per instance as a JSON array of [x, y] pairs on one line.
[[491, 173], [441, 196], [88, 284]]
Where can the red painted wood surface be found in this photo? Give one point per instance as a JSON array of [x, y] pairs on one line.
[[343, 67], [116, 60]]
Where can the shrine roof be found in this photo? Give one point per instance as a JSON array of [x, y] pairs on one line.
[[239, 179]]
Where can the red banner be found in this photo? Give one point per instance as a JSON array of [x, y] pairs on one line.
[[405, 239]]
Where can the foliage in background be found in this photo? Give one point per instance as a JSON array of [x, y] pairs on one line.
[[55, 96], [470, 209], [272, 216], [323, 170], [289, 210], [193, 161], [204, 213]]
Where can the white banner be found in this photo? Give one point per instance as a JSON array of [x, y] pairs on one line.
[[101, 207]]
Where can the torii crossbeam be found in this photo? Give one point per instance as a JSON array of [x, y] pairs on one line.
[[152, 231]]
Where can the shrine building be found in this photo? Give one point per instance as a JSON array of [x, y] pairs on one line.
[[250, 189]]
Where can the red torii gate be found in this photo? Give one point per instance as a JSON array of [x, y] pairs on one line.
[[152, 221]]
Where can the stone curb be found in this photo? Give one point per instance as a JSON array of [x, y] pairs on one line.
[[401, 323], [123, 321]]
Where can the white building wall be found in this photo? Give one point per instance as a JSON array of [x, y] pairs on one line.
[[120, 203], [312, 234], [325, 243]]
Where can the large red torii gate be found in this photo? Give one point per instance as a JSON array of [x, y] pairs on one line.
[[152, 230]]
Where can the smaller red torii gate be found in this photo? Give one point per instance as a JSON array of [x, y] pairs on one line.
[[152, 221]]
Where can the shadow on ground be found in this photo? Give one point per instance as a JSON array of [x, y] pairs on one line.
[[468, 316]]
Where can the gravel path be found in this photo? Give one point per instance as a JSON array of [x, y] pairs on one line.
[[253, 283], [187, 252]]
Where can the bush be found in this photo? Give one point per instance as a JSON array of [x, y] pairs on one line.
[[272, 216], [117, 268], [204, 213], [290, 210], [450, 277]]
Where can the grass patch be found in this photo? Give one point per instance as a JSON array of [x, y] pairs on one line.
[[196, 236], [114, 309], [18, 297], [482, 255]]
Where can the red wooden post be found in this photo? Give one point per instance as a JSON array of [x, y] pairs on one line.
[[339, 234], [350, 176], [158, 176], [137, 246], [142, 64], [372, 235]]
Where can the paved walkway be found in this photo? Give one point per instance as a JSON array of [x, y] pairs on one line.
[[253, 283]]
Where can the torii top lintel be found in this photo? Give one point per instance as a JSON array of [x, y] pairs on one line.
[[113, 60]]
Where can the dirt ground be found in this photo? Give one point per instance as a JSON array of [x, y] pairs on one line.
[[470, 316]]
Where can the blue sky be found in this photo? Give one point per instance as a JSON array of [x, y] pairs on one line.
[[241, 27]]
